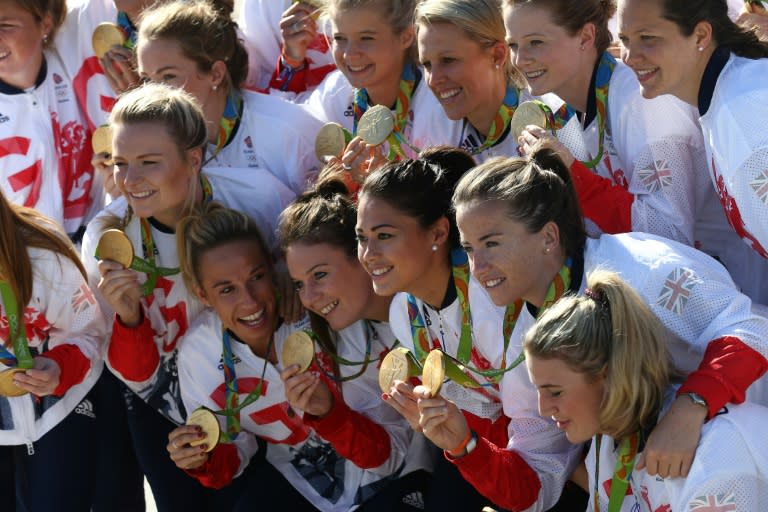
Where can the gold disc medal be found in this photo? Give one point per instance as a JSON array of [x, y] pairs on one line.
[[299, 349], [398, 364], [105, 36], [207, 421], [527, 113], [7, 387], [116, 246], [433, 375], [101, 140], [375, 125], [330, 141]]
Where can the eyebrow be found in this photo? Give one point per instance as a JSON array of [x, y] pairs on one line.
[[225, 282], [547, 386], [489, 235], [311, 269]]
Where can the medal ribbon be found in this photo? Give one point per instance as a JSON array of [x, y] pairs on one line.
[[21, 357], [228, 121], [625, 463], [402, 110], [129, 31], [501, 121]]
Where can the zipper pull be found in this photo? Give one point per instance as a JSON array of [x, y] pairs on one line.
[[30, 449]]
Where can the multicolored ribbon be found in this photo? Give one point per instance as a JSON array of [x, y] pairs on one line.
[[501, 122], [129, 31], [371, 336], [625, 463], [21, 356], [396, 139], [229, 119]]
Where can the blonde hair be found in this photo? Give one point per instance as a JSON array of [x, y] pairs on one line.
[[209, 226], [610, 331], [480, 20], [205, 32]]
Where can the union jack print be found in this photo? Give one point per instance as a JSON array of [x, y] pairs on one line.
[[82, 299], [713, 503], [657, 176], [677, 290], [760, 186]]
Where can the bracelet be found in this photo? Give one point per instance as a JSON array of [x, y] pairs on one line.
[[289, 62], [459, 450]]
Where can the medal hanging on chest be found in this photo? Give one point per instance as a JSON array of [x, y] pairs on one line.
[[21, 358]]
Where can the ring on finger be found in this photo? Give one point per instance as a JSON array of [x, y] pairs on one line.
[[296, 26], [346, 167]]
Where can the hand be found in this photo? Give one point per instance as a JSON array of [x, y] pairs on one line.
[[534, 137], [298, 29], [289, 306], [102, 165], [672, 445], [120, 69], [182, 454], [120, 288], [42, 379], [441, 421], [360, 158], [756, 22], [306, 391], [402, 399]]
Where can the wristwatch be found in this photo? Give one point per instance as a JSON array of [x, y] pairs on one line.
[[697, 399]]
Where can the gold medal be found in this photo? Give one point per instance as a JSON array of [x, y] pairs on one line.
[[330, 141], [433, 374], [114, 245], [105, 36], [527, 113], [101, 140], [206, 420], [398, 364], [7, 387], [375, 125], [298, 348]]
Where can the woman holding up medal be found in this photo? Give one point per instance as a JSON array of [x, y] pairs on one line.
[[602, 369], [239, 361], [521, 225], [50, 358], [245, 129], [158, 149], [720, 70]]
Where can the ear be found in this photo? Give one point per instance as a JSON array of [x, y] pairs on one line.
[[201, 296], [195, 158], [440, 231], [46, 24], [587, 36], [499, 54], [407, 37], [702, 34], [550, 238], [218, 73]]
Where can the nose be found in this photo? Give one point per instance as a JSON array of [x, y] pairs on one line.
[[366, 251], [477, 261], [433, 75], [128, 174], [627, 55]]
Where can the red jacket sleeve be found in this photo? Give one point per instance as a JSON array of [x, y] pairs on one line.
[[132, 350], [352, 435], [494, 431], [603, 202], [220, 468], [297, 78], [72, 363], [729, 367], [500, 475]]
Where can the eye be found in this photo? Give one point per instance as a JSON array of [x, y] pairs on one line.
[[467, 248], [361, 239], [168, 78], [258, 276], [555, 394], [512, 46], [490, 243], [383, 236], [426, 65], [226, 290], [148, 162], [536, 42], [339, 39], [119, 165], [646, 37], [319, 275], [298, 285]]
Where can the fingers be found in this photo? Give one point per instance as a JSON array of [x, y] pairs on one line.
[[182, 453], [665, 466], [298, 29], [118, 68]]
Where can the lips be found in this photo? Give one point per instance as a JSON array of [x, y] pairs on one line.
[[358, 69], [141, 195], [378, 272], [493, 283], [253, 319], [532, 75], [646, 74]]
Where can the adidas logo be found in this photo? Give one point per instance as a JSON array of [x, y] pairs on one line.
[[414, 499], [85, 408], [4, 118]]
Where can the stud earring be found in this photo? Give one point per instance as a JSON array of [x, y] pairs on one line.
[[701, 48], [215, 87], [546, 251], [498, 66], [434, 247]]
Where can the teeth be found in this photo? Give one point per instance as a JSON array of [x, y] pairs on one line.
[[450, 93], [253, 317], [142, 195], [380, 271], [330, 307], [356, 68], [4, 55], [645, 72], [493, 282], [535, 74]]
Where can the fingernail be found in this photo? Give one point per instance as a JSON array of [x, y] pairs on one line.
[[203, 447], [384, 397]]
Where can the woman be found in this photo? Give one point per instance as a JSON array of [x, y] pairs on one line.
[[53, 327], [245, 129], [602, 370], [158, 150], [520, 223], [46, 141], [336, 448], [717, 58], [634, 161], [467, 67], [409, 247]]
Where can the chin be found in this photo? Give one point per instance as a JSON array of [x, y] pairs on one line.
[[648, 92]]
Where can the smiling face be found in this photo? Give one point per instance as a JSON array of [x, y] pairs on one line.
[[570, 398], [665, 61], [236, 281], [504, 257], [330, 283], [551, 59], [366, 49], [21, 44], [150, 170]]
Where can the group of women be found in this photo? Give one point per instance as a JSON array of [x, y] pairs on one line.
[[592, 283]]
